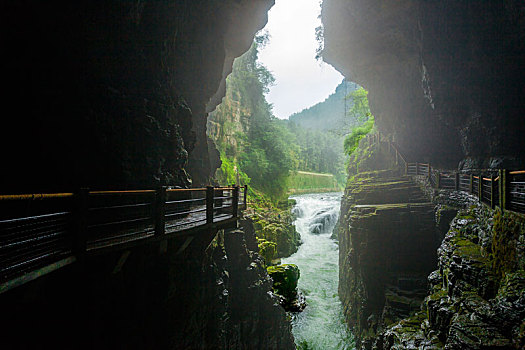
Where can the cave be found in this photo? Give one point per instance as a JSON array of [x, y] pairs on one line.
[[115, 94]]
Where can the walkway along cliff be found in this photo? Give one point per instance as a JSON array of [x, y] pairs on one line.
[[394, 219], [165, 269]]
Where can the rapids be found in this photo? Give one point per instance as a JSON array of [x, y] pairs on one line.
[[321, 325]]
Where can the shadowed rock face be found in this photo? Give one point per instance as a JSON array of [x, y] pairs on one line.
[[115, 93], [387, 248], [445, 78]]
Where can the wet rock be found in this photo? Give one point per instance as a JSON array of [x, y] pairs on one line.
[[285, 278], [468, 332]]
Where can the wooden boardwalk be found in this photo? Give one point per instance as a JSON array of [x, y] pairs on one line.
[[501, 188], [40, 233]]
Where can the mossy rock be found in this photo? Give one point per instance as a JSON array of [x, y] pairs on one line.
[[285, 278], [506, 230], [513, 285], [267, 249]]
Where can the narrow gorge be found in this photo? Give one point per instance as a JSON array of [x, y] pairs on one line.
[[140, 97]]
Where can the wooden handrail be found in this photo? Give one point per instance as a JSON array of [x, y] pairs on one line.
[[33, 196], [502, 189], [186, 189], [123, 192]]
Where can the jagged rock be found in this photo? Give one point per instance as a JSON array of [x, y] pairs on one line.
[[469, 307], [285, 278]]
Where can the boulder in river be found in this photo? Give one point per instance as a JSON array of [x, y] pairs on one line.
[[285, 278]]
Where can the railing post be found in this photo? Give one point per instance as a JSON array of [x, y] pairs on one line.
[[417, 168], [492, 190], [160, 211], [235, 201], [397, 157], [406, 168], [245, 199], [503, 176], [471, 183], [457, 181], [480, 187], [80, 222], [210, 192], [438, 180]]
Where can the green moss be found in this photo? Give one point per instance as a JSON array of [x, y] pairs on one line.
[[285, 278], [468, 249], [506, 230], [513, 284], [267, 249], [438, 295]]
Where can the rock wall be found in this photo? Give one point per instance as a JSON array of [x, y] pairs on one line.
[[445, 78], [389, 229], [476, 297], [387, 245], [115, 94]]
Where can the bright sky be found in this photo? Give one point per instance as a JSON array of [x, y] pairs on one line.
[[300, 80]]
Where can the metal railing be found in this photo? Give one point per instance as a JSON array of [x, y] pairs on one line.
[[47, 231], [494, 187]]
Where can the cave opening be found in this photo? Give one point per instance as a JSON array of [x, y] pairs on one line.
[[280, 130], [115, 95]]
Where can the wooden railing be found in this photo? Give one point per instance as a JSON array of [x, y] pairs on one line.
[[42, 232], [493, 187]]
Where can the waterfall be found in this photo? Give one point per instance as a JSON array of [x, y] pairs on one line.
[[321, 325]]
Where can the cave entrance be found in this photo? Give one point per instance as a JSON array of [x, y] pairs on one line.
[[280, 129]]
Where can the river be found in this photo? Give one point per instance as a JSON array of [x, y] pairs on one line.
[[321, 325]]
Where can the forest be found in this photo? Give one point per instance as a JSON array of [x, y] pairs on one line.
[[260, 150]]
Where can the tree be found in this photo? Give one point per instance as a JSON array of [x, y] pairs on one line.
[[360, 109]]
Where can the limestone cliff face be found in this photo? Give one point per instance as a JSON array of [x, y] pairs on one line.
[[229, 118], [445, 78], [387, 248], [115, 94]]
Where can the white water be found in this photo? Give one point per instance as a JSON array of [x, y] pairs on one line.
[[321, 325]]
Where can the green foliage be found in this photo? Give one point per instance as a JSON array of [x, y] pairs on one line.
[[360, 109], [228, 172], [318, 151], [352, 141], [255, 143]]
